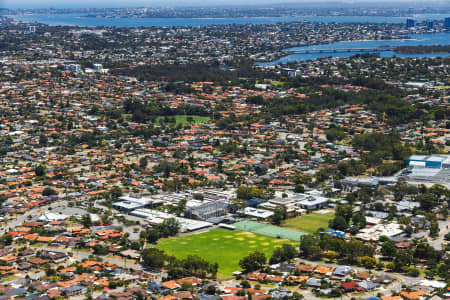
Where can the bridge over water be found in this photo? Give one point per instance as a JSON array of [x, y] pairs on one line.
[[335, 50]]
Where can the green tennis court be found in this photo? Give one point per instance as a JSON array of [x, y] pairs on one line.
[[269, 230]]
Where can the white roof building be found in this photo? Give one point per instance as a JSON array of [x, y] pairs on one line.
[[373, 233], [49, 216], [258, 213]]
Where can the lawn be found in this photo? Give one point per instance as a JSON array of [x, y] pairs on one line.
[[223, 246], [276, 83], [309, 222], [183, 119]]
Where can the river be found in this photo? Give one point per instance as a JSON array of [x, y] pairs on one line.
[[79, 19], [416, 39]]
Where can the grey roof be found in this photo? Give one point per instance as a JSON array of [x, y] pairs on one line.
[[210, 205], [215, 220], [156, 286], [286, 267], [72, 288], [368, 285], [382, 279], [36, 297], [208, 297], [101, 228], [278, 294], [22, 281], [119, 271], [377, 214], [18, 291], [343, 270], [316, 282]]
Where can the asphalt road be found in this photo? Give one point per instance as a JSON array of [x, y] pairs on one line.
[[444, 228]]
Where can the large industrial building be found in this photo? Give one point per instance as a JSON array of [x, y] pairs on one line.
[[207, 210], [434, 168], [434, 161]]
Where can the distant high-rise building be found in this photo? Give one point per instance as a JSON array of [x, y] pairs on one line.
[[98, 67], [31, 29], [447, 23], [410, 23], [73, 67], [430, 25]]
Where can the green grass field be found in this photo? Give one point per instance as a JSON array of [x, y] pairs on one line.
[[277, 83], [309, 223], [183, 119], [222, 246]]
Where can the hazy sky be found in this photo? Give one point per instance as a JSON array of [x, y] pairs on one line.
[[149, 3]]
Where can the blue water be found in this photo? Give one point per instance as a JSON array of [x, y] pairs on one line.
[[77, 19], [416, 39]]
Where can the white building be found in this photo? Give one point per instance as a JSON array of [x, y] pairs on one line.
[[373, 233]]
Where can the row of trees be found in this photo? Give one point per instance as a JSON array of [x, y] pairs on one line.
[[192, 265], [256, 260], [169, 227], [315, 246]]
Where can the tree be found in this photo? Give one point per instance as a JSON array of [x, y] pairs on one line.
[[331, 255], [210, 290], [43, 140], [345, 211], [367, 261], [306, 243], [194, 265], [402, 259], [100, 249], [283, 253], [359, 220], [388, 249], [252, 262], [168, 227], [289, 251], [334, 134], [299, 188], [434, 229], [39, 171], [86, 220], [338, 223], [153, 258], [427, 201], [408, 230], [143, 162], [135, 246], [48, 191], [246, 193], [6, 239], [439, 190], [413, 272], [49, 271], [115, 193], [335, 293], [278, 216], [316, 253], [430, 274], [151, 235]]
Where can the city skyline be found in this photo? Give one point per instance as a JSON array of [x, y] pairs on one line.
[[30, 4]]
